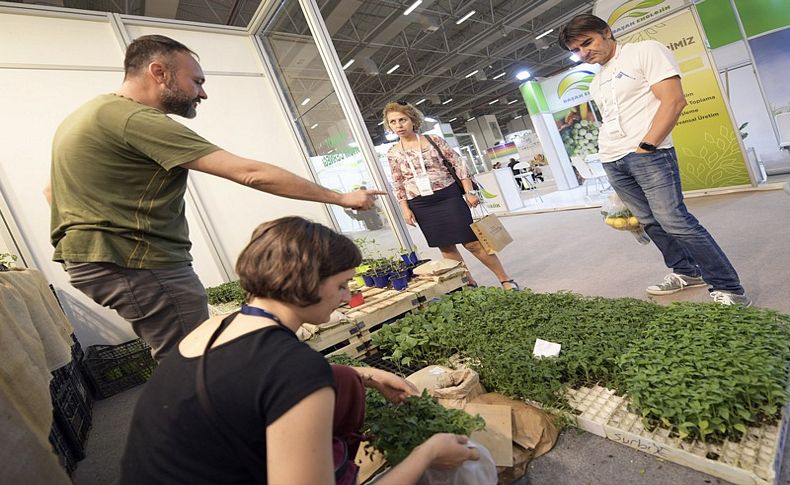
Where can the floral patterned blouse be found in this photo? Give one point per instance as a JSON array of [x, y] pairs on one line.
[[403, 176]]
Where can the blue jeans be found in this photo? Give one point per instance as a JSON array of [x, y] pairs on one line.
[[649, 184]]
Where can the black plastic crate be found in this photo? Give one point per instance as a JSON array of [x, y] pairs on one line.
[[71, 408], [68, 459], [111, 369], [377, 360]]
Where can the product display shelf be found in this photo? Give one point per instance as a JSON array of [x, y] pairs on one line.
[[381, 307], [430, 287], [755, 459]]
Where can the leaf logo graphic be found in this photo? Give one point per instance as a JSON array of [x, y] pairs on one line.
[[576, 80], [630, 9], [487, 194]]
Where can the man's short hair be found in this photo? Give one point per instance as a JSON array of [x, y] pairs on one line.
[[288, 258], [144, 50], [582, 24]]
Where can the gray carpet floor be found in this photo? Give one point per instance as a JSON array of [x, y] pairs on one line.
[[575, 251]]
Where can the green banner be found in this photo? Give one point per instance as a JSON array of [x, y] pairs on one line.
[[534, 98], [705, 139]]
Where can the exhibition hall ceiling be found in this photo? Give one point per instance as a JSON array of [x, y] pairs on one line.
[[454, 64]]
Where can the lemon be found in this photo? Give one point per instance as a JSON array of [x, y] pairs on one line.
[[609, 221], [633, 221], [620, 223]]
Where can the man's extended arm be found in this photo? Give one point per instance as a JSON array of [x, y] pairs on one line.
[[275, 180], [670, 93]]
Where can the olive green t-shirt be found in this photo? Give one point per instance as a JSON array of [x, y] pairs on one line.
[[117, 187]]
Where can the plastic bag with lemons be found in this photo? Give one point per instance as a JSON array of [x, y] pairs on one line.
[[617, 216]]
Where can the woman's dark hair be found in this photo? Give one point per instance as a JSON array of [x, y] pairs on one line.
[[143, 50], [288, 258], [580, 25]]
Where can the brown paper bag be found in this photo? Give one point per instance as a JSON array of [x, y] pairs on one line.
[[458, 387], [534, 434], [491, 233]]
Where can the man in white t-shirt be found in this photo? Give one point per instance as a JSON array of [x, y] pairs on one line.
[[639, 94]]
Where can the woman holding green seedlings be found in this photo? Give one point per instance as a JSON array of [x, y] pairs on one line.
[[243, 401]]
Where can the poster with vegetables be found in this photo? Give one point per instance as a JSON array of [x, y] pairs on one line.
[[578, 128]]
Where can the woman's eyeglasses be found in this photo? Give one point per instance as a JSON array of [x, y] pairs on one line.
[[402, 102]]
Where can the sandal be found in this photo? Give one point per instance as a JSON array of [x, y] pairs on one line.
[[514, 287]]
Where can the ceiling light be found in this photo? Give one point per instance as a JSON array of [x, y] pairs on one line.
[[575, 58], [391, 136], [413, 6], [429, 119], [499, 75], [445, 102], [463, 19], [514, 101], [472, 73], [517, 117], [314, 126], [470, 119], [380, 123], [330, 152], [544, 34], [392, 69], [493, 102], [348, 64], [419, 102], [523, 75], [306, 100], [453, 119]]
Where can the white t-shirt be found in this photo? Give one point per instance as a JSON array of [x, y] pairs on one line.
[[633, 69]]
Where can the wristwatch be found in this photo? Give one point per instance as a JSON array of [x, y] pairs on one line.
[[470, 193], [648, 147]]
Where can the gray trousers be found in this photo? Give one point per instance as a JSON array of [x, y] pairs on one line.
[[162, 305]]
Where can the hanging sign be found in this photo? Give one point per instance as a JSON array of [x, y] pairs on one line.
[[570, 88], [626, 15]]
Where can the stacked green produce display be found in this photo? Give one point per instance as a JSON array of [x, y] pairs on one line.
[[581, 138], [703, 371]]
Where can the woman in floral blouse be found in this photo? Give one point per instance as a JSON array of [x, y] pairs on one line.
[[427, 192]]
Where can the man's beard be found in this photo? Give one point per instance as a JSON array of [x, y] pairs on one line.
[[177, 102]]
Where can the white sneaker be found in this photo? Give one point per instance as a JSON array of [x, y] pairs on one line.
[[728, 298], [674, 282]]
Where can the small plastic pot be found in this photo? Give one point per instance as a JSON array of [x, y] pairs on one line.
[[381, 281], [368, 279], [399, 282], [356, 300]]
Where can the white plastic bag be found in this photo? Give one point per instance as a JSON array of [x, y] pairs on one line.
[[479, 472], [617, 216]]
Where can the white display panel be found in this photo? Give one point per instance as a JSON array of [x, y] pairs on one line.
[[27, 39], [217, 52]]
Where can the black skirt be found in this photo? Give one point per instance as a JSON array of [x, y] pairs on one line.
[[444, 217]]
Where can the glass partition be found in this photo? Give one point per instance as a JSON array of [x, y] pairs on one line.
[[334, 155]]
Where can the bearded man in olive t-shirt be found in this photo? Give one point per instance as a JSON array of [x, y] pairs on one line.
[[119, 174]]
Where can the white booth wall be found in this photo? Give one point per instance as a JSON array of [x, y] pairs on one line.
[[56, 63]]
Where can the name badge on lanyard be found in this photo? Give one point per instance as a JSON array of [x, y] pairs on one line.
[[422, 180], [611, 121]]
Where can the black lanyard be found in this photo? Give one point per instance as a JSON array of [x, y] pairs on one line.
[[260, 312]]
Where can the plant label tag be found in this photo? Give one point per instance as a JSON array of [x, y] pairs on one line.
[[544, 348]]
